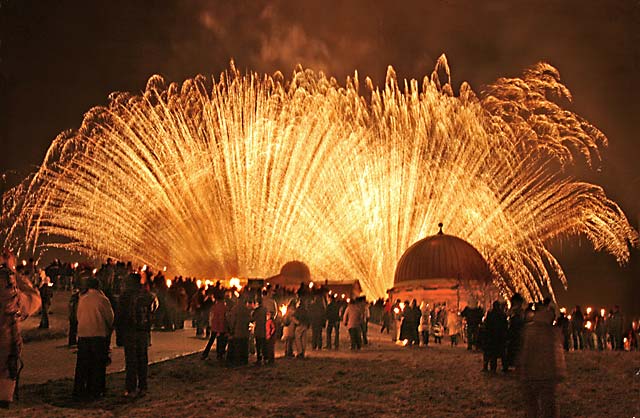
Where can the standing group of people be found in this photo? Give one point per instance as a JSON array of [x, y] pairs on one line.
[[97, 319]]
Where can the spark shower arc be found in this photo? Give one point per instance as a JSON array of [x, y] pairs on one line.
[[237, 175]]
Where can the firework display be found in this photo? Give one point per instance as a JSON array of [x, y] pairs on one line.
[[236, 176]]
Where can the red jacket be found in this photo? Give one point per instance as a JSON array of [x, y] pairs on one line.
[[217, 317], [271, 328]]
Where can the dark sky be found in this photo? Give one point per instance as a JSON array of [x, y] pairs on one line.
[[60, 58]]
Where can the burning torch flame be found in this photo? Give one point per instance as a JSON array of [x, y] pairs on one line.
[[589, 310], [588, 325], [169, 283], [602, 312], [198, 283], [283, 309]]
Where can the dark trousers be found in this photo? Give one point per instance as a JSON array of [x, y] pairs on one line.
[[270, 351], [91, 367], [73, 332], [365, 329], [44, 319], [356, 342], [333, 326], [425, 338], [136, 360], [316, 336], [472, 337], [386, 322], [238, 351], [221, 345], [261, 348]]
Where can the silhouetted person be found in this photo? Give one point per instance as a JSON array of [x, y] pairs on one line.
[[495, 337], [133, 322], [577, 328], [542, 363]]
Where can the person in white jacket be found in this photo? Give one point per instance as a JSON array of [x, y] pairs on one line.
[[95, 323], [353, 318]]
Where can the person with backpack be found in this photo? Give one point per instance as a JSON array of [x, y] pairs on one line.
[[133, 322]]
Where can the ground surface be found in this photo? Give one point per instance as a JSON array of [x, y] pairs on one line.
[[382, 380]]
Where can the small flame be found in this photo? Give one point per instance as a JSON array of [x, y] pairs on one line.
[[602, 312], [164, 268], [283, 309], [563, 310], [75, 265], [310, 285], [402, 306], [588, 325], [169, 283], [589, 310], [198, 283], [95, 271], [24, 262], [144, 268]]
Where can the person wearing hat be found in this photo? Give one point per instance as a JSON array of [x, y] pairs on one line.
[[133, 325], [95, 323]]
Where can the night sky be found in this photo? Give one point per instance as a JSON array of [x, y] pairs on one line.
[[60, 58]]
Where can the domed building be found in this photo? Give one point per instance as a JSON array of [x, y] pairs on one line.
[[443, 269], [291, 275]]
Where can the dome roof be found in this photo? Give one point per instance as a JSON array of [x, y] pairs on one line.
[[296, 270], [442, 256]]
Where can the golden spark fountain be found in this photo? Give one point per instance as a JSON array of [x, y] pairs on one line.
[[236, 176]]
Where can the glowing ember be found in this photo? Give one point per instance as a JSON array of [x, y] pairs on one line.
[[239, 177]]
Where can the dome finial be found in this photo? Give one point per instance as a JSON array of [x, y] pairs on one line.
[[440, 225]]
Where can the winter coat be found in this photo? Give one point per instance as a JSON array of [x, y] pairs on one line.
[[217, 317], [95, 315], [259, 317], [495, 332], [542, 355], [333, 311], [454, 324], [353, 316], [134, 313], [239, 319]]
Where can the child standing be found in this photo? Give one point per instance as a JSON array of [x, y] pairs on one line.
[[271, 339]]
